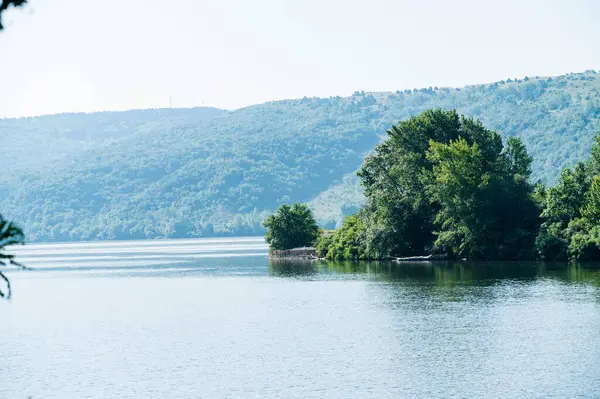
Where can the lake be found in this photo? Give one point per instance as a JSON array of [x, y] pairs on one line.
[[214, 318]]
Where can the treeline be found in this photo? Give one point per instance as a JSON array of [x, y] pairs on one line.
[[444, 184], [202, 172], [571, 213]]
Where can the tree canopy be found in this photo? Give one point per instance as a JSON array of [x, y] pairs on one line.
[[291, 227], [571, 215], [443, 183]]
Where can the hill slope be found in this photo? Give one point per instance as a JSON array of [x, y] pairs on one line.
[[201, 172], [35, 144]]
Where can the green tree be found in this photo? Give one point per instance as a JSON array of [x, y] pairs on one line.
[[562, 206], [590, 210], [346, 243], [584, 233], [571, 213], [462, 186], [518, 158], [399, 213], [291, 227], [9, 235], [442, 182], [594, 163], [488, 209], [584, 244]]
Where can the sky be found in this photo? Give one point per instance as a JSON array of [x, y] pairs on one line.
[[91, 55]]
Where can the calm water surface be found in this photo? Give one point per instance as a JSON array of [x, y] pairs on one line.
[[214, 318]]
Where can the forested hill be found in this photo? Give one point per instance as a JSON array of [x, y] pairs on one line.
[[204, 172]]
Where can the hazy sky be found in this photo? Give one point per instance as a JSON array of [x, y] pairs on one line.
[[91, 55]]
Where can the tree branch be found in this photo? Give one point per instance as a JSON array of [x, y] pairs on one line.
[[8, 288], [7, 3]]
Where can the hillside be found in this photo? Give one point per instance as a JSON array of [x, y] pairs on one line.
[[34, 144], [203, 172]]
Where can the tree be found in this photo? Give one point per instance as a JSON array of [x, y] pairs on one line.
[[462, 186], [571, 213], [562, 207], [590, 210], [291, 227], [487, 208], [10, 234], [442, 182], [519, 159], [565, 199], [7, 3], [594, 162], [398, 211], [433, 167], [584, 232], [346, 243]]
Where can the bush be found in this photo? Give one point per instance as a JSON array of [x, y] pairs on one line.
[[585, 246], [550, 243], [345, 243], [323, 244]]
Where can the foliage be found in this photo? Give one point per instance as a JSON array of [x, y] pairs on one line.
[[464, 189], [206, 172], [562, 206], [585, 232], [487, 209], [291, 227], [519, 160], [585, 245], [10, 234], [571, 214], [443, 183], [400, 215], [590, 210], [346, 243]]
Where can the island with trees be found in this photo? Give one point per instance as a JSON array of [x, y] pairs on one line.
[[290, 230], [444, 185]]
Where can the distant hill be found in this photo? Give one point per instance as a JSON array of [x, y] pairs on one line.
[[36, 143], [205, 172]]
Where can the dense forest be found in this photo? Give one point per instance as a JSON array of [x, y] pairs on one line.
[[205, 172]]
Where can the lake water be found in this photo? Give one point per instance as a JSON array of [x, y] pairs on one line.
[[214, 318]]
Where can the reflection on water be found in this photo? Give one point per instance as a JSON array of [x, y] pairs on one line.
[[246, 256], [448, 281], [292, 268], [440, 273], [199, 318]]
